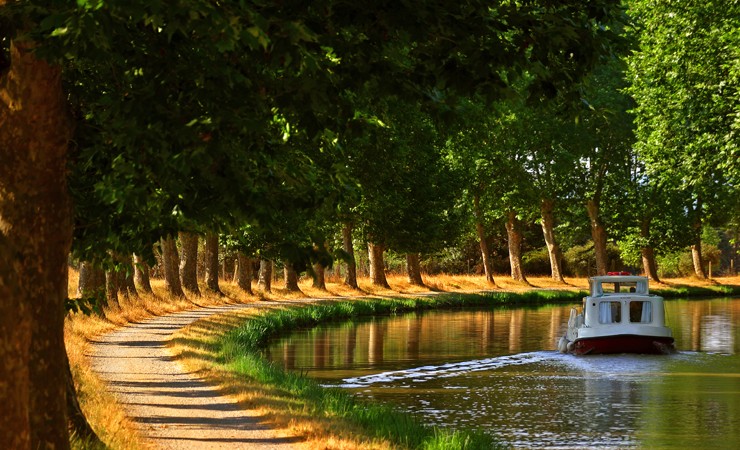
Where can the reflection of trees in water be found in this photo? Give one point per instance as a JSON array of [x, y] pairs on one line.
[[350, 343], [289, 355], [378, 329], [515, 330], [320, 350], [705, 325], [413, 336]]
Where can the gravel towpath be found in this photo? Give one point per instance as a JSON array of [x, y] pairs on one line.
[[174, 408]]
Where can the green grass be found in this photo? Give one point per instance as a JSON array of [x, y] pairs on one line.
[[242, 350], [697, 291]]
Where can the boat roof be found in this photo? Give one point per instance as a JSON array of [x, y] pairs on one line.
[[619, 278], [640, 284]]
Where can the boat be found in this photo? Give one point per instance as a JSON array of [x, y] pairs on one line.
[[618, 316]]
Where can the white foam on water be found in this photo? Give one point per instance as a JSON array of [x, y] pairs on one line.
[[426, 373]]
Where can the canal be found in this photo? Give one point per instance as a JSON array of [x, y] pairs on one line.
[[497, 370]]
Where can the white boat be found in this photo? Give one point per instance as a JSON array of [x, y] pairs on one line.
[[619, 316]]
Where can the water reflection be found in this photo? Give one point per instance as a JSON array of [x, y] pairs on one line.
[[497, 370]]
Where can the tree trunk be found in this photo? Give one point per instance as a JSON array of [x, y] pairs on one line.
[[15, 339], [265, 276], [170, 261], [244, 272], [111, 287], [319, 277], [696, 256], [697, 259], [377, 265], [291, 278], [648, 253], [598, 234], [649, 264], [126, 277], [211, 263], [351, 278], [189, 262], [514, 233], [553, 248], [141, 274], [36, 236], [413, 267], [480, 230], [91, 283]]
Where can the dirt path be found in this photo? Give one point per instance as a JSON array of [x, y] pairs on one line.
[[173, 408]]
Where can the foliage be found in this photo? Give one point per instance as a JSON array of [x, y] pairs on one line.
[[685, 84], [580, 261]]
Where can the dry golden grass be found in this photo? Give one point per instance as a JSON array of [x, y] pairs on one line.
[[193, 345]]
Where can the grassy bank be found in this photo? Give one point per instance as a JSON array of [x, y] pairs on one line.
[[200, 345]]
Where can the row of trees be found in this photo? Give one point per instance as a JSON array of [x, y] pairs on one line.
[[282, 126]]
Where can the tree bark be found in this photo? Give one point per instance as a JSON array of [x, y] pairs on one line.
[[413, 267], [598, 234], [319, 277], [111, 287], [697, 259], [189, 262], [649, 264], [265, 276], [553, 248], [125, 272], [480, 230], [91, 283], [648, 253], [290, 277], [36, 231], [244, 272], [515, 238], [351, 278], [696, 256], [141, 275], [211, 263], [15, 337], [170, 263], [377, 265]]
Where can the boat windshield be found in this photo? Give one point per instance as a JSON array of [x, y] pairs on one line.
[[619, 287]]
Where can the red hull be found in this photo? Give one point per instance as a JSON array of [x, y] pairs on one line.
[[625, 343]]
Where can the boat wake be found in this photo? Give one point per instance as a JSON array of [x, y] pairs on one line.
[[426, 373]]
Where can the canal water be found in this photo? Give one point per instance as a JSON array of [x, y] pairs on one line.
[[498, 370]]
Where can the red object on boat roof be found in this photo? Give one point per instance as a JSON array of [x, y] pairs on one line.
[[618, 273]]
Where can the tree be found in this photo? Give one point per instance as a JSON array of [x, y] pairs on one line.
[[170, 264], [35, 129], [604, 145], [244, 272], [684, 81], [141, 274], [211, 263], [188, 267]]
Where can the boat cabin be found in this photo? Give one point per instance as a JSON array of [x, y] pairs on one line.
[[621, 299]]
